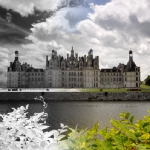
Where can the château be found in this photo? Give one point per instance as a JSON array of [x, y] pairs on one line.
[[73, 72]]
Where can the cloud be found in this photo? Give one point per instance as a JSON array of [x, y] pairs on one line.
[[27, 7], [3, 63], [11, 33], [110, 30]]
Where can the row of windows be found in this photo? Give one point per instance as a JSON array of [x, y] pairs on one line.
[[38, 74], [88, 73], [137, 79], [111, 79], [73, 79], [35, 79], [115, 74], [74, 73]]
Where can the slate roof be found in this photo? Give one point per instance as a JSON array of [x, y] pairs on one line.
[[114, 69], [34, 70], [130, 66]]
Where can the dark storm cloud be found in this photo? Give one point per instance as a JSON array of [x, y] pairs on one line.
[[10, 32]]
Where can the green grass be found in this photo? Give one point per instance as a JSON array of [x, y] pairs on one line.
[[104, 90], [144, 88]]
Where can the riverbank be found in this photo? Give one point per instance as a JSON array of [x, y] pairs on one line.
[[80, 96]]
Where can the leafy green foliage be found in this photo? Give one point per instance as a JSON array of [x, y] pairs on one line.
[[147, 80], [122, 135]]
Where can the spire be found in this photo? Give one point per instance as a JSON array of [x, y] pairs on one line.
[[72, 52]]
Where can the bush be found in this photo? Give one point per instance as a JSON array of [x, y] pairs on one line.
[[17, 132], [122, 135]]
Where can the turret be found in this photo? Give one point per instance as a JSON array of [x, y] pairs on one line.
[[72, 52], [131, 64], [90, 54], [130, 55], [16, 55], [46, 60], [76, 56], [67, 56]]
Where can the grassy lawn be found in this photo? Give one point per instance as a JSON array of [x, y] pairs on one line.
[[104, 90], [144, 88]]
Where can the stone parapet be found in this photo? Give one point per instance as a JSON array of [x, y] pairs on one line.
[[81, 96]]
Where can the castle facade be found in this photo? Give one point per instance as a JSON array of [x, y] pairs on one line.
[[73, 72]]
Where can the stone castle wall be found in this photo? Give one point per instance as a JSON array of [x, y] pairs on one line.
[[54, 96]]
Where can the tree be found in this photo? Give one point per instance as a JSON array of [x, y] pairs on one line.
[[147, 80]]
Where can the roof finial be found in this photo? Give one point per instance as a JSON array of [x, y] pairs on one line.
[[72, 47]]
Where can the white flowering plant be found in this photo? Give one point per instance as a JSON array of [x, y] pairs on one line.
[[19, 132]]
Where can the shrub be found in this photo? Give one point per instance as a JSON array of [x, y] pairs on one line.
[[122, 135], [17, 132]]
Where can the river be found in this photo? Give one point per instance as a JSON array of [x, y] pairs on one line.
[[84, 113]]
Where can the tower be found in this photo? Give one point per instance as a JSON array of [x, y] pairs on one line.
[[16, 55], [72, 52], [130, 55]]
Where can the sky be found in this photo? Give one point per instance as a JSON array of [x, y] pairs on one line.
[[111, 28]]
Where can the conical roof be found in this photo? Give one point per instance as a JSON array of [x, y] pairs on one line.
[[130, 64]]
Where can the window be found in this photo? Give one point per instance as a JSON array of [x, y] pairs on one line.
[[96, 84], [136, 78]]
